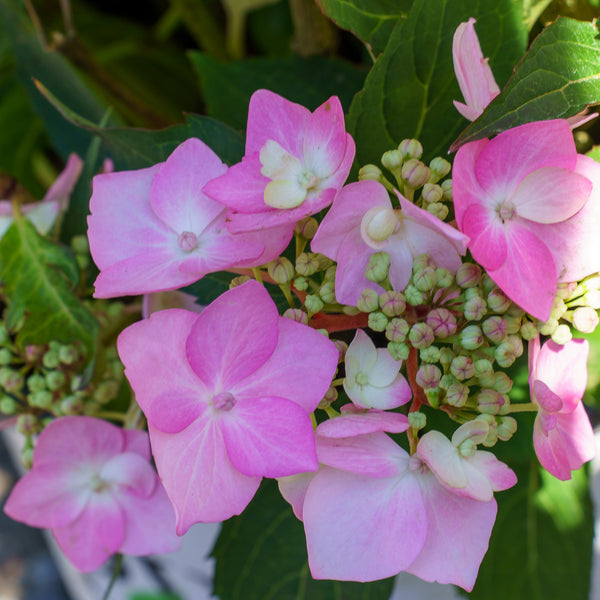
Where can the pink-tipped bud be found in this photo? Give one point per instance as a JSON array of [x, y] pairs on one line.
[[495, 329], [392, 303], [457, 394], [468, 275], [415, 173], [490, 402], [421, 335], [428, 376], [498, 301], [442, 322], [462, 367], [474, 309], [295, 314]]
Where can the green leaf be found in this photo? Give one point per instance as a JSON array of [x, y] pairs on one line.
[[262, 554], [38, 277], [410, 89], [371, 20], [227, 87], [558, 77]]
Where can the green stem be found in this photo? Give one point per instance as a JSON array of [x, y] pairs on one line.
[[523, 407], [285, 288], [257, 274]]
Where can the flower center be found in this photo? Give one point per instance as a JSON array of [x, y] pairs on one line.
[[506, 211], [187, 241], [98, 484], [378, 224], [416, 464], [223, 401], [362, 378]]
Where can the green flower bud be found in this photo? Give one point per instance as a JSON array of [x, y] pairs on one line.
[[295, 314], [417, 420], [562, 334], [42, 399], [237, 281], [378, 267], [51, 359], [492, 436], [442, 322], [549, 327], [495, 329], [447, 380], [447, 187], [503, 383], [68, 355], [342, 348], [504, 354], [368, 301], [433, 396], [397, 330], [489, 402], [83, 261], [12, 381], [281, 270], [6, 356], [471, 337], [327, 292], [457, 394], [413, 296], [513, 324], [370, 172], [429, 355], [487, 283], [446, 356], [428, 376], [517, 344], [71, 405], [392, 304], [313, 304], [398, 350], [55, 380], [378, 321], [411, 148], [440, 167], [422, 261], [462, 367], [425, 279], [392, 159], [36, 382], [474, 309], [467, 448], [559, 308], [439, 210], [415, 173], [468, 275], [432, 193], [330, 397], [444, 278], [106, 391], [301, 284], [307, 264], [306, 228], [498, 301], [506, 428], [471, 293], [528, 330], [27, 424], [8, 405], [483, 367], [330, 273], [421, 336], [79, 244]]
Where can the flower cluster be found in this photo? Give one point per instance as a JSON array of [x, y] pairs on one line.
[[405, 298]]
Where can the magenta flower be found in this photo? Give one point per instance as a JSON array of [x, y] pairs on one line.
[[372, 511], [227, 394], [154, 230], [362, 221], [295, 163], [510, 194], [93, 485], [473, 73], [562, 434]]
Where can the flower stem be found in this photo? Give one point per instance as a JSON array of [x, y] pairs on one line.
[[523, 407]]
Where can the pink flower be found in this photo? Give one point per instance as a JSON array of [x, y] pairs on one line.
[[43, 214], [562, 434], [227, 394], [154, 230], [362, 221], [510, 196], [372, 511], [295, 163], [93, 485], [473, 73]]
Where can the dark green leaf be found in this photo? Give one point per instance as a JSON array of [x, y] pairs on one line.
[[371, 20], [261, 555], [410, 89], [227, 87], [37, 277], [559, 77]]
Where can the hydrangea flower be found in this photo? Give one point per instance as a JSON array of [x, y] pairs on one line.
[[473, 73], [562, 434], [43, 214], [362, 221], [227, 394], [373, 378], [509, 194], [295, 163], [93, 485], [154, 230]]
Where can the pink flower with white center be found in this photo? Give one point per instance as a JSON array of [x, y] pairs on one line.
[[93, 485], [562, 434], [460, 467], [372, 511], [363, 221], [373, 378], [43, 214], [154, 230], [511, 194], [473, 73], [295, 163], [227, 394]]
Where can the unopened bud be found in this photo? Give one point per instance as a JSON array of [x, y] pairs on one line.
[[8, 405], [585, 319], [106, 391], [462, 367], [42, 399], [368, 301], [592, 299], [397, 330], [342, 348], [528, 330], [559, 308], [370, 172], [457, 395], [6, 356], [433, 396], [498, 301], [513, 324], [281, 270], [517, 344], [562, 334], [447, 380], [313, 304], [27, 424], [55, 380], [425, 279], [398, 350], [392, 159], [504, 354], [330, 397], [392, 304], [307, 264], [417, 420], [378, 321], [430, 355], [414, 296], [549, 327], [432, 193], [474, 309], [471, 337], [68, 355], [506, 428], [79, 244], [327, 292], [442, 322], [483, 367], [415, 173], [421, 335], [295, 314], [378, 267], [428, 376], [495, 329], [239, 280], [444, 278], [301, 284], [306, 228], [446, 356], [411, 148], [440, 167], [468, 275], [447, 187], [502, 383], [490, 402]]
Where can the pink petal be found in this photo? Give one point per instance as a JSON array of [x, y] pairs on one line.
[[401, 260], [233, 336], [383, 398], [488, 238], [175, 193], [62, 188], [458, 536], [443, 459], [508, 158], [354, 421], [269, 437], [550, 450], [97, 534], [499, 475], [578, 436], [272, 117], [274, 240], [300, 369], [173, 411], [337, 179], [550, 195], [293, 488], [137, 441], [545, 397], [42, 214], [357, 527], [198, 476], [131, 472]]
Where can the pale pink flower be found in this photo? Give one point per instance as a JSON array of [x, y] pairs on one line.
[[510, 193], [372, 511], [43, 214], [227, 394], [363, 221], [93, 485], [295, 163], [473, 73], [562, 434], [461, 467], [373, 378], [154, 230]]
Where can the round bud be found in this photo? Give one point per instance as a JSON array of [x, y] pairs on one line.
[[370, 172], [313, 304], [397, 330], [442, 322], [429, 355], [368, 301], [474, 309], [428, 376], [489, 402], [462, 367], [295, 314], [562, 334], [414, 296], [528, 330], [392, 304], [237, 281], [468, 275], [411, 148], [457, 394], [378, 267], [378, 321], [471, 337], [447, 187], [502, 383], [398, 350], [421, 336], [495, 329], [327, 292], [444, 278], [307, 264], [301, 284], [415, 173], [6, 356], [585, 319], [306, 228], [392, 159], [432, 193], [417, 420], [425, 279], [506, 428], [440, 167], [281, 270], [498, 301]]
